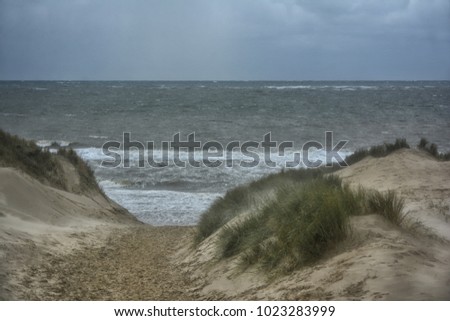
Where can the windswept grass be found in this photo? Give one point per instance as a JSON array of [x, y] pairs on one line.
[[222, 211], [432, 149], [41, 164], [248, 231], [387, 204], [240, 198], [377, 151], [31, 159], [87, 178], [387, 148], [297, 227], [308, 215]]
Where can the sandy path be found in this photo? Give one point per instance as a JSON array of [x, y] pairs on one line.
[[135, 264]]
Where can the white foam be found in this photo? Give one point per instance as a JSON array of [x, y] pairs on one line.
[[109, 184], [343, 88], [162, 207], [91, 154], [173, 195], [289, 87], [47, 143], [12, 114], [315, 87]]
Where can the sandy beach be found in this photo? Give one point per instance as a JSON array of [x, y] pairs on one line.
[[58, 245]]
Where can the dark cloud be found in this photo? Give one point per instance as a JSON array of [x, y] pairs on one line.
[[233, 39]]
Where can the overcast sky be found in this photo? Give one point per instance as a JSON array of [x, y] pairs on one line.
[[224, 39]]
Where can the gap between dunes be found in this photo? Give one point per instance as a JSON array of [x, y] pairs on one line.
[[57, 245]]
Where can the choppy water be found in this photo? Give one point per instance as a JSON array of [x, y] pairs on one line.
[[87, 114]]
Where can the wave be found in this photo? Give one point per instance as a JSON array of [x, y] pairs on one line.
[[168, 158], [52, 143], [333, 87], [174, 195], [12, 115], [98, 137], [290, 87], [158, 207]]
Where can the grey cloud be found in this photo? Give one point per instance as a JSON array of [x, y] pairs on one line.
[[234, 39]]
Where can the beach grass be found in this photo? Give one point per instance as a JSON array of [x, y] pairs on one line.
[[376, 151], [246, 196], [238, 199], [223, 210], [387, 204], [28, 157], [296, 228], [299, 225], [432, 149], [302, 223], [42, 165], [307, 214], [86, 174]]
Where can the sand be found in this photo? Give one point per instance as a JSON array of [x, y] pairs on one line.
[[421, 180], [132, 264], [57, 245], [38, 221], [379, 261]]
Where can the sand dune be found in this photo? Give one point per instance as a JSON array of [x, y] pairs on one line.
[[38, 220], [378, 262], [420, 179]]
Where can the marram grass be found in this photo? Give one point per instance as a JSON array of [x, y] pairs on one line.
[[307, 215]]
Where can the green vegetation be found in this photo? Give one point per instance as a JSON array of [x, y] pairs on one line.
[[387, 148], [222, 211], [432, 149], [31, 159], [387, 204], [290, 219], [87, 178], [297, 227], [302, 221], [42, 165], [377, 151], [239, 199]]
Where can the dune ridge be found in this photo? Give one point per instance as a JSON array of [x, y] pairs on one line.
[[38, 220], [378, 261]]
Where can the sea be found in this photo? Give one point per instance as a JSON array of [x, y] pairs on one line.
[[170, 190]]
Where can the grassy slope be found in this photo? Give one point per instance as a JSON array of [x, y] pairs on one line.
[[306, 214], [42, 165]]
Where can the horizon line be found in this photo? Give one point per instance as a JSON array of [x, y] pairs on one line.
[[223, 80]]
